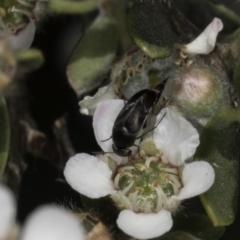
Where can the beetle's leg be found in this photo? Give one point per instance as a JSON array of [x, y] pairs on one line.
[[153, 127], [106, 139], [129, 160], [100, 152], [138, 147]]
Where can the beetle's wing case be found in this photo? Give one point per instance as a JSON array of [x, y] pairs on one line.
[[131, 118], [124, 113], [140, 112]]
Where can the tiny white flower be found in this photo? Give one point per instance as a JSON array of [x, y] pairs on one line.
[[89, 104], [7, 211], [20, 36], [206, 41], [146, 199], [52, 223]]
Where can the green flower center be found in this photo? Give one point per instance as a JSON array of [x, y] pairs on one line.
[[148, 184], [14, 14]]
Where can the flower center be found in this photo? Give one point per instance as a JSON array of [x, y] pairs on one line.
[[14, 15], [148, 184]]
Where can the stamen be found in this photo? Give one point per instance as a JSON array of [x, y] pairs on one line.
[[126, 189], [148, 207], [133, 199], [175, 189], [171, 171], [127, 173], [161, 198], [149, 160], [126, 168], [175, 181], [116, 181], [24, 12], [164, 160]]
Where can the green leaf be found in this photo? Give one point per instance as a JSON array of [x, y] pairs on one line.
[[5, 134], [219, 146], [226, 13], [236, 76], [198, 225], [230, 114], [74, 7], [30, 59], [149, 27], [201, 13], [93, 55]]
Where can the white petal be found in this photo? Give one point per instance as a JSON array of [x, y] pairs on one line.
[[103, 120], [206, 41], [24, 37], [89, 176], [52, 223], [7, 211], [89, 104], [175, 137], [145, 225], [197, 178]]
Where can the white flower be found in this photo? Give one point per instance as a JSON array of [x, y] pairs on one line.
[[89, 104], [46, 223], [206, 41], [20, 36], [23, 37], [146, 214], [7, 211], [52, 223]]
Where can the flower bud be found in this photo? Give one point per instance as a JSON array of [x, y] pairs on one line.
[[197, 90]]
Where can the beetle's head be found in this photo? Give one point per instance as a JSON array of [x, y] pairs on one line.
[[122, 152]]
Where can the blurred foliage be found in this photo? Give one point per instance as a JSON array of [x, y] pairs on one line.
[[5, 134]]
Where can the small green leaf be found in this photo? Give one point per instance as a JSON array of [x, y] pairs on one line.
[[74, 7], [150, 29], [30, 59], [93, 55], [219, 146], [5, 134]]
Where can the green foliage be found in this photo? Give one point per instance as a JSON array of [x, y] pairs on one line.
[[5, 134], [74, 7], [220, 147], [93, 55], [151, 32], [236, 76], [198, 225], [30, 59], [195, 9]]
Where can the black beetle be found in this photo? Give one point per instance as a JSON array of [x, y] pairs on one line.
[[133, 117]]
